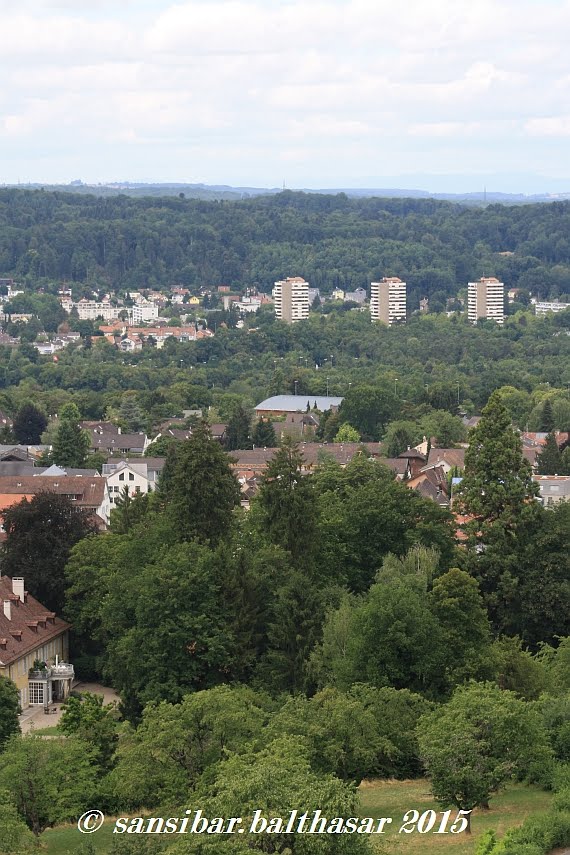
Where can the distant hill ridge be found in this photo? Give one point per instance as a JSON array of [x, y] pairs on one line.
[[225, 191]]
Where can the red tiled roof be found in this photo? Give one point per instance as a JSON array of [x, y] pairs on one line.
[[450, 456], [256, 459], [17, 635], [88, 492]]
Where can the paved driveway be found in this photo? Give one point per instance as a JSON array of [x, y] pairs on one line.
[[34, 718]]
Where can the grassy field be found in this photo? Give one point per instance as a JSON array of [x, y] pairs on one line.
[[378, 798], [66, 840], [47, 731], [394, 798]]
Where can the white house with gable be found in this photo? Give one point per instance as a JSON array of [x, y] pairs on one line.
[[127, 474]]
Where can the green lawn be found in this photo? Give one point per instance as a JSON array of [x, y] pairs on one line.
[[378, 798], [66, 839], [394, 798], [47, 731]]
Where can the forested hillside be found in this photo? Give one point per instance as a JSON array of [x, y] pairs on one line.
[[437, 247]]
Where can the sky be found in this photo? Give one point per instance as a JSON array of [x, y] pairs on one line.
[[443, 95]]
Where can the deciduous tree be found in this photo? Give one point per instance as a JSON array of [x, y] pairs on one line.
[[29, 424], [49, 780], [482, 738], [9, 709], [40, 533]]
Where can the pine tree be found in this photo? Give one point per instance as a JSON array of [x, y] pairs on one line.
[[238, 430], [130, 415], [287, 503], [198, 487], [263, 435], [549, 461], [498, 482], [29, 424], [71, 443], [498, 495], [547, 418]]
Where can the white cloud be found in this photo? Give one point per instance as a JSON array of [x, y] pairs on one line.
[[553, 126], [262, 82]]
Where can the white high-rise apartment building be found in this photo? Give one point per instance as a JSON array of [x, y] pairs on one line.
[[291, 299], [486, 299], [388, 300]]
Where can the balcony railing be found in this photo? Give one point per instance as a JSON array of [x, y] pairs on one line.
[[62, 671]]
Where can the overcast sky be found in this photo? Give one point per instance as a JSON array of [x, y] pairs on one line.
[[440, 94]]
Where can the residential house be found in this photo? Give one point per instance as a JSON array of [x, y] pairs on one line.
[[431, 484], [448, 458], [542, 308], [531, 454], [30, 637], [149, 469], [130, 344], [219, 432], [86, 492], [416, 460], [471, 422], [553, 489], [249, 463], [358, 296], [16, 453], [18, 467], [100, 427], [132, 475], [60, 471], [297, 426], [119, 443]]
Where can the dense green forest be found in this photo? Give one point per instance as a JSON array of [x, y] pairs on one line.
[[437, 247]]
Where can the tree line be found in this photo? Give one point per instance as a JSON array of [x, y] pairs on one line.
[[333, 241]]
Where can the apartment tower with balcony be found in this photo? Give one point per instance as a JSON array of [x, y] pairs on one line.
[[388, 300], [486, 299], [291, 299]]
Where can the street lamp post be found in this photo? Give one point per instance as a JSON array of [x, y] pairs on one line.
[[327, 387], [296, 382], [395, 387]]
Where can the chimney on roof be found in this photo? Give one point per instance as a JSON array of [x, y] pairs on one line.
[[18, 588], [8, 609]]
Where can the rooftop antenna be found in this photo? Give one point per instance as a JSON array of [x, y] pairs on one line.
[[485, 193]]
